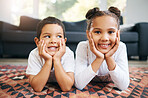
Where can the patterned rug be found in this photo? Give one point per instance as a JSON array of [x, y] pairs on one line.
[[14, 84]]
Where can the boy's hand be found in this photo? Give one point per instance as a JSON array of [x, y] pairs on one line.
[[42, 50], [61, 51], [115, 47], [93, 48]]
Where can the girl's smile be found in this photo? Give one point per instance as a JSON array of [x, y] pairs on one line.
[[104, 32]]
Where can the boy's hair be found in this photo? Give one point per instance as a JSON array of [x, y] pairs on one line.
[[95, 12], [48, 20]]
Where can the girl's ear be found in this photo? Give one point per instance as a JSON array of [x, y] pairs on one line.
[[36, 40]]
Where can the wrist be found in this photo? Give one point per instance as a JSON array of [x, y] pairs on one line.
[[100, 57], [56, 59]]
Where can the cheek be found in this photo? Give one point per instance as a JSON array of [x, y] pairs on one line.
[[113, 39], [95, 38]]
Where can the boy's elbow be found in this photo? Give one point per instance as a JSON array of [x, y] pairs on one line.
[[37, 89], [79, 85], [65, 89]]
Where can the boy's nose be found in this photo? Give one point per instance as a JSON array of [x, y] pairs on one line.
[[53, 41]]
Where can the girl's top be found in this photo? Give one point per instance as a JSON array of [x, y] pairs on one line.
[[84, 73]]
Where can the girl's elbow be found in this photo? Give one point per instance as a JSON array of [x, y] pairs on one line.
[[124, 87]]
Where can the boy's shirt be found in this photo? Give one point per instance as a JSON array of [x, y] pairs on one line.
[[35, 63]]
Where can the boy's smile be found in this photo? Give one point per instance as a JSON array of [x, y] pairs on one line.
[[52, 35]]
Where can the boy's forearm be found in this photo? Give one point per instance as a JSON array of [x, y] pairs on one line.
[[39, 81], [64, 79]]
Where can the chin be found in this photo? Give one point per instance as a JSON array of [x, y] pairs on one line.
[[104, 51], [52, 53]]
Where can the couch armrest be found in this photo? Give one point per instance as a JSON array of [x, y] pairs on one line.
[[142, 29], [4, 26]]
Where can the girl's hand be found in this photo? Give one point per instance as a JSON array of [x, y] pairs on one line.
[[61, 51], [115, 47], [42, 50], [93, 48]]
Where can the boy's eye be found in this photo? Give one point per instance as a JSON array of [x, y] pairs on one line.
[[110, 32], [47, 36], [59, 36], [98, 32]]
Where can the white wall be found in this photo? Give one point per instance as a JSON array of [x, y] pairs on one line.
[[136, 11], [5, 10]]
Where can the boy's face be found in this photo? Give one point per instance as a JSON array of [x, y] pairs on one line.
[[52, 35], [104, 32]]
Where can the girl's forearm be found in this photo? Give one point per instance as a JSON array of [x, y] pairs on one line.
[[96, 64], [110, 63]]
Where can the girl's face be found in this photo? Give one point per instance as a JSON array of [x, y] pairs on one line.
[[52, 35], [104, 32]]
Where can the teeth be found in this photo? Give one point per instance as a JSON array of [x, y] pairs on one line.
[[52, 48], [104, 46]]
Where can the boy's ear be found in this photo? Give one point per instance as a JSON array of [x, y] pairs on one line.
[[118, 34], [36, 40], [65, 39]]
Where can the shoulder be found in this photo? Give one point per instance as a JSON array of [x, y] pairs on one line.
[[83, 44], [121, 49], [34, 55], [34, 52], [122, 45], [68, 52]]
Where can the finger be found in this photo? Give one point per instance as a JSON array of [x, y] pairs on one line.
[[63, 43], [88, 35], [118, 35], [116, 45], [60, 44]]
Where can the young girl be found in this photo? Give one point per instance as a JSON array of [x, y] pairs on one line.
[[103, 54], [51, 60]]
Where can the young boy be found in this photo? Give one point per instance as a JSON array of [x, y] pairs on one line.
[[52, 60]]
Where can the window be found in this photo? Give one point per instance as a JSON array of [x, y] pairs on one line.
[[120, 4], [21, 7], [68, 10]]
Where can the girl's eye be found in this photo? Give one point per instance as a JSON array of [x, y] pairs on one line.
[[47, 36], [59, 36], [110, 32], [98, 32]]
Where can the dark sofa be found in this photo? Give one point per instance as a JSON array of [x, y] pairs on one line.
[[18, 41]]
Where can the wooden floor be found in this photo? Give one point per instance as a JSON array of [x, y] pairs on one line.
[[16, 61]]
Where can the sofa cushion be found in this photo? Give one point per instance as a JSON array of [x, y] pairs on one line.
[[126, 27], [28, 23], [129, 37], [75, 26], [19, 36], [75, 37]]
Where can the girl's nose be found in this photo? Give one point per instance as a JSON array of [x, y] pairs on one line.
[[104, 37]]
